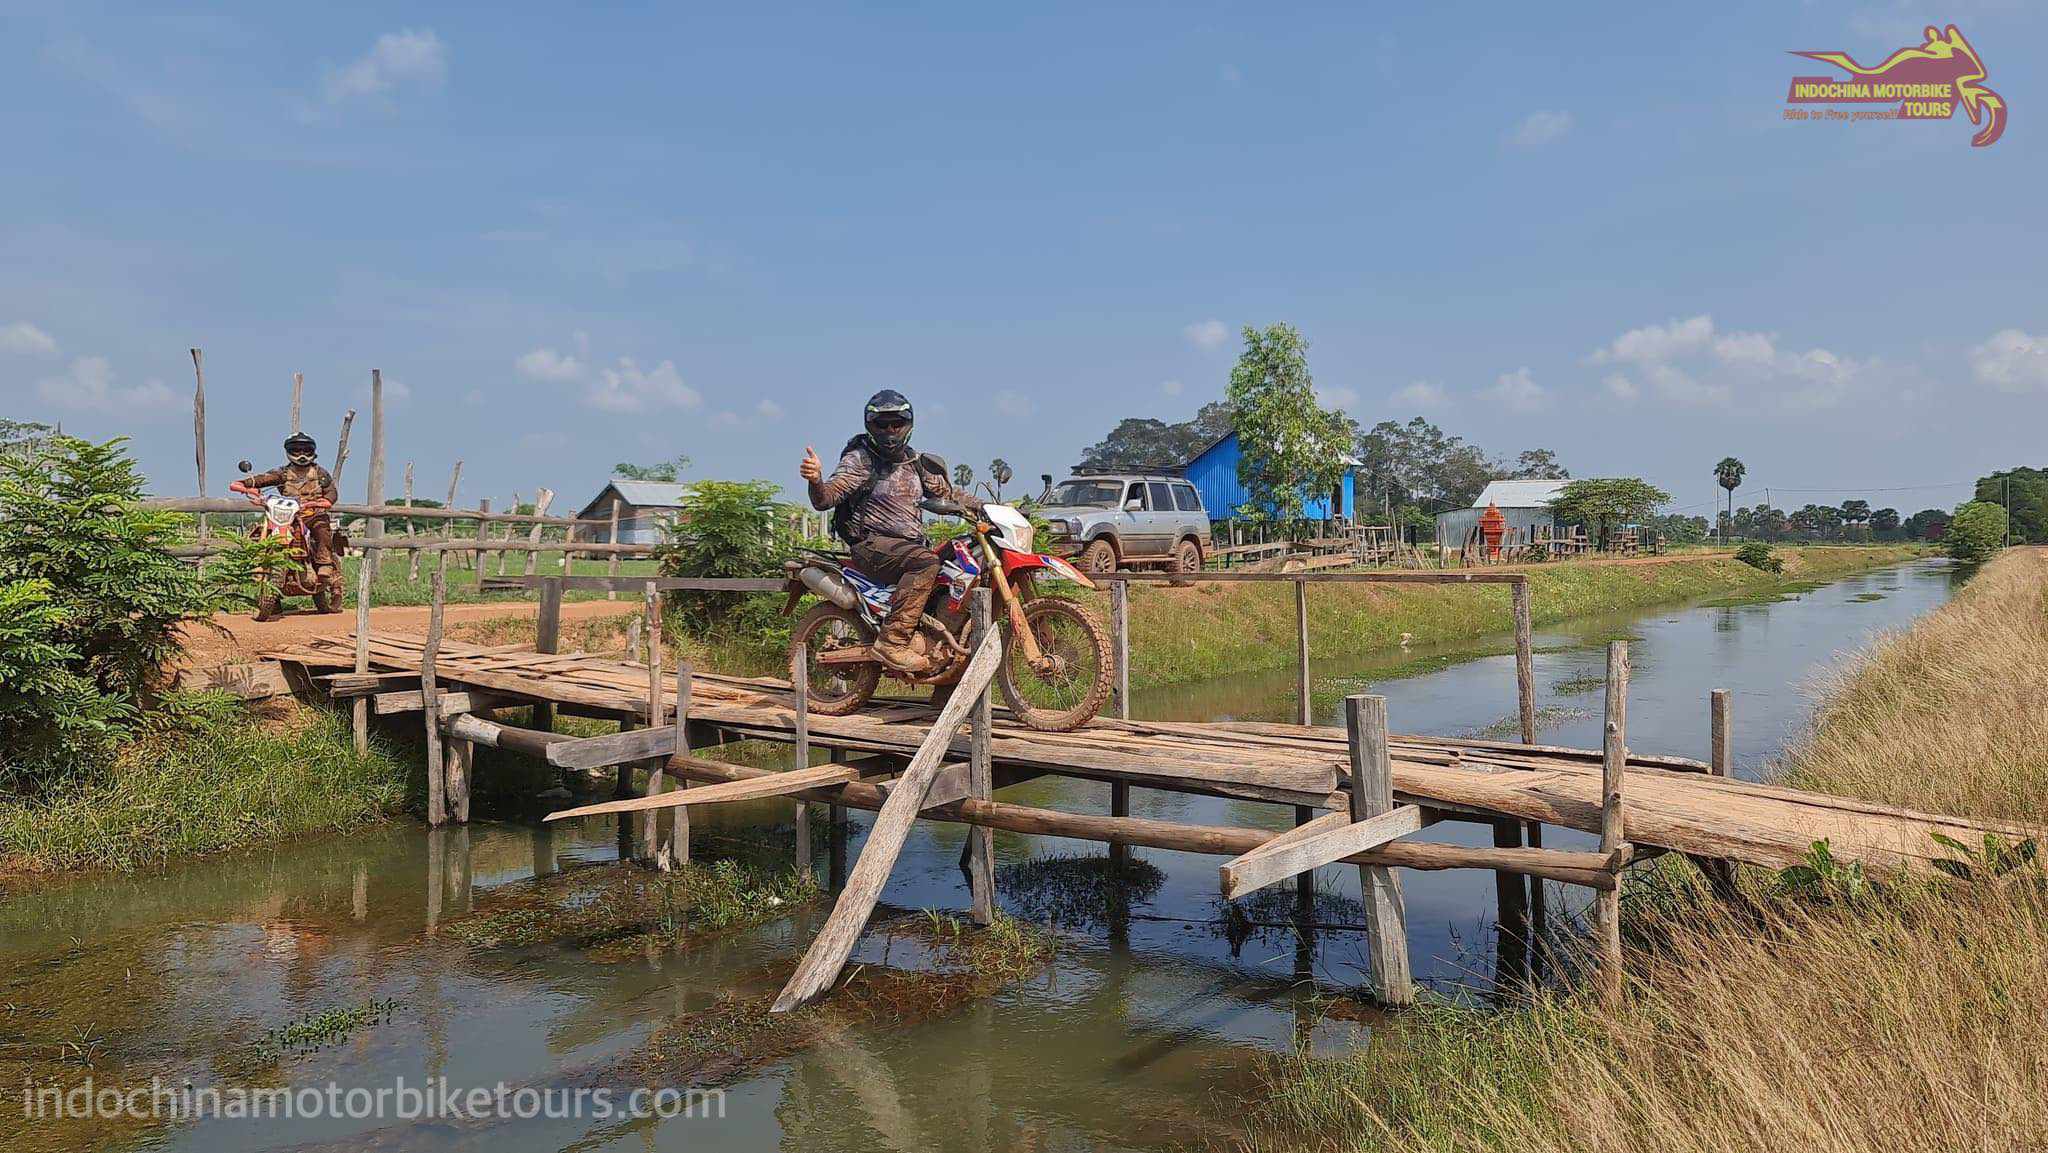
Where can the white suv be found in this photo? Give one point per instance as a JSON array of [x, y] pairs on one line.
[[1129, 520]]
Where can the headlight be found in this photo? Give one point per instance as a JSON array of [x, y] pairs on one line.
[[1071, 526]]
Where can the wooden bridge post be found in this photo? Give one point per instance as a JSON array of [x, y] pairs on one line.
[[547, 638], [1720, 871], [430, 707], [1372, 793], [1120, 655], [362, 705], [981, 844], [800, 688], [374, 529], [611, 568], [1537, 921], [1613, 759], [677, 850]]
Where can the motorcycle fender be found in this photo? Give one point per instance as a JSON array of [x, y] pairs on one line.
[[795, 589], [1016, 563]]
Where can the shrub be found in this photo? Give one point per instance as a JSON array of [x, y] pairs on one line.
[[1977, 531], [725, 529], [1757, 554], [94, 601]]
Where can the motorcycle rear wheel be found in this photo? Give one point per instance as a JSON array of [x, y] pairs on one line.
[[1062, 700], [835, 690]]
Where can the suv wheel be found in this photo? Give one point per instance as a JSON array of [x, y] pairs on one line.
[[1099, 556], [1187, 558]]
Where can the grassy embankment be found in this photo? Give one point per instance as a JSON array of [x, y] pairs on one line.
[[1906, 1018], [1187, 634]]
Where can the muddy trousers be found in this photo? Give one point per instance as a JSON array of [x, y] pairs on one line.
[[914, 567]]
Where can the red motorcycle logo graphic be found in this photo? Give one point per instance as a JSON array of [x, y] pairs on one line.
[[1925, 82]]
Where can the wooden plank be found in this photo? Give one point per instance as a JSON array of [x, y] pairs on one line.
[[452, 703], [1372, 795], [981, 846], [750, 789], [834, 943], [613, 748], [1304, 848]]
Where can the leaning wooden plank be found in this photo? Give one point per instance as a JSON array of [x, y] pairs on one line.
[[834, 943], [451, 703], [775, 785], [1336, 837], [613, 748]]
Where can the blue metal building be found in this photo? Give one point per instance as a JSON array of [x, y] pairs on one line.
[[1214, 473]]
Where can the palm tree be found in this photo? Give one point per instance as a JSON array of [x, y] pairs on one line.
[[963, 477], [999, 471], [1729, 475]]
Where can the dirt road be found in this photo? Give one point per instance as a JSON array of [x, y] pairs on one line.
[[237, 638]]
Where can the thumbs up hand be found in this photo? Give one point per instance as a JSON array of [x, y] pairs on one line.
[[812, 469]]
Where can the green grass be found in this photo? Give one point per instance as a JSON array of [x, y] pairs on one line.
[[228, 780], [1204, 631], [395, 585]]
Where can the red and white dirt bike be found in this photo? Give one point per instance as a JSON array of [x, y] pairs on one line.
[[284, 518], [1056, 668]]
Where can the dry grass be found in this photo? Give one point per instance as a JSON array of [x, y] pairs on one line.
[[1907, 1021]]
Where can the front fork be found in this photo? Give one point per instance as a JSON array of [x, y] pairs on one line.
[[1020, 628]]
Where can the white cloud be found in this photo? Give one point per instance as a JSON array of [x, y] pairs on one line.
[[768, 409], [549, 365], [1518, 391], [1540, 128], [1657, 342], [2012, 360], [1013, 404], [403, 57], [1170, 387], [26, 338], [1746, 348], [1622, 388], [1337, 396], [1421, 394], [1207, 335], [89, 384], [627, 387]]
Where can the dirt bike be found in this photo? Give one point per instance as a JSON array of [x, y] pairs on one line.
[[284, 518], [1056, 668]]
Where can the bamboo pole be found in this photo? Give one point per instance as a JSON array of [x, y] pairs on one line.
[[199, 428], [375, 495], [800, 688], [298, 398], [981, 845], [1613, 759], [430, 705]]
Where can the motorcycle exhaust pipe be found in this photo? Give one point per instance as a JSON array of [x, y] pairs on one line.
[[830, 586]]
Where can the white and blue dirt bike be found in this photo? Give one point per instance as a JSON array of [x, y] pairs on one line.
[[1056, 667]]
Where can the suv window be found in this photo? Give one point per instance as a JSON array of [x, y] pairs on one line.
[[1185, 499], [1136, 493], [1162, 501]]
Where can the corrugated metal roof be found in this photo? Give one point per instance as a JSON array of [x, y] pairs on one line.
[[651, 493], [1519, 493]]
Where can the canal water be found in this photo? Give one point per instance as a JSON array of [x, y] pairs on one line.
[[1143, 1033]]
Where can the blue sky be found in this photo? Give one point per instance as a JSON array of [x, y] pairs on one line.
[[574, 237]]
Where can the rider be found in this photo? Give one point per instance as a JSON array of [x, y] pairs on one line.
[[874, 494], [302, 477]]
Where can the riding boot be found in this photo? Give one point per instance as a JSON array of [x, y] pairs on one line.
[[906, 608]]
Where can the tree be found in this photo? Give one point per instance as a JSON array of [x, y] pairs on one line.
[[1885, 520], [1138, 443], [1728, 474], [1927, 524], [725, 529], [1606, 504], [963, 476], [2023, 492], [1289, 445], [999, 472], [1855, 511], [1538, 464], [664, 471], [1977, 532]]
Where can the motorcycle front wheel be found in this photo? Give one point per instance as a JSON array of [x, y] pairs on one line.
[[835, 690], [1069, 689]]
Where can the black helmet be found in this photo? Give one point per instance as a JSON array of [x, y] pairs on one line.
[[892, 407], [299, 442]]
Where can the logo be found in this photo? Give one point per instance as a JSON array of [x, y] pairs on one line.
[[1924, 82]]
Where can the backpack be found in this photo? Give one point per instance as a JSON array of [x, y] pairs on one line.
[[842, 513]]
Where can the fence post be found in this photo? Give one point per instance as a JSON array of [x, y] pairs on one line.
[[362, 703], [1120, 656], [800, 688], [1538, 920], [1372, 793], [981, 845], [430, 707], [1613, 760], [663, 857], [1301, 645], [374, 530], [611, 568]]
